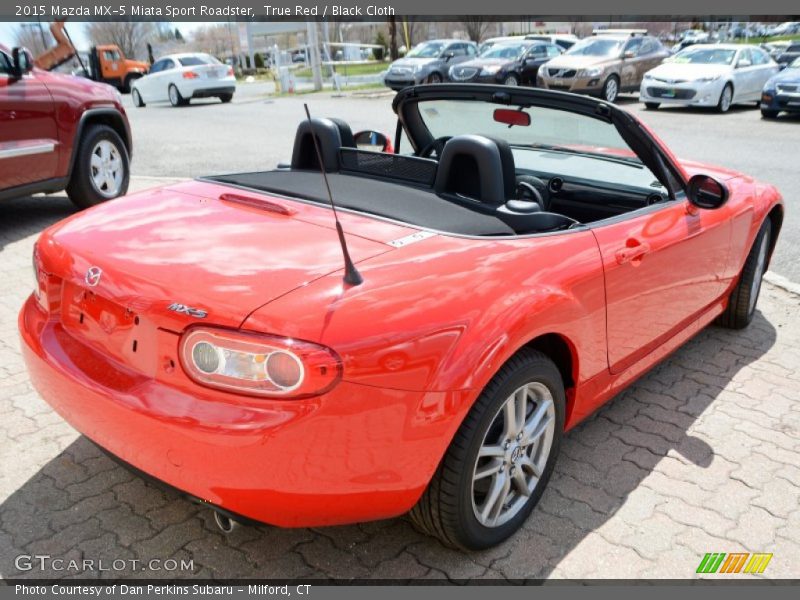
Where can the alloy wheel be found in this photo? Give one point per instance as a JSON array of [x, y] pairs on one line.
[[725, 100], [106, 169], [611, 90], [513, 454]]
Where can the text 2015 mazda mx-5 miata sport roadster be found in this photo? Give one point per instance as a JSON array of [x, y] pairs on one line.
[[532, 254]]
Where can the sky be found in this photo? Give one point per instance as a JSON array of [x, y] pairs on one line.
[[75, 29]]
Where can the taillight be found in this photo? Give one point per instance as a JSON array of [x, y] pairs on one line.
[[230, 71], [190, 75], [38, 276], [256, 364]]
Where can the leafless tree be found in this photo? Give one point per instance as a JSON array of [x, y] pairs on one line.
[[34, 37], [476, 27], [218, 40], [130, 36], [393, 54]]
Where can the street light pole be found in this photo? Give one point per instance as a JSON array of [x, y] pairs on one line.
[[313, 51]]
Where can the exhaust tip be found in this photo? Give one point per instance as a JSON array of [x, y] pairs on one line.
[[225, 523]]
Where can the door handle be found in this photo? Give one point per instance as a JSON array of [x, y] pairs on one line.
[[634, 250]]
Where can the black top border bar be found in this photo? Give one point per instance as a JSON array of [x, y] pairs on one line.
[[379, 10]]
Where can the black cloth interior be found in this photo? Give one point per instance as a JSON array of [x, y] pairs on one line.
[[413, 205]]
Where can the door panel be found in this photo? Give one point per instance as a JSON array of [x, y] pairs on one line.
[[662, 269], [28, 132]]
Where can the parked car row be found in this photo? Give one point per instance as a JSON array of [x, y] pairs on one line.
[[611, 62]]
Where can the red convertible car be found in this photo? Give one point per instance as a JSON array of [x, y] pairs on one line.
[[531, 254]]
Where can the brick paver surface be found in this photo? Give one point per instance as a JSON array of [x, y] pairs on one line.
[[701, 455]]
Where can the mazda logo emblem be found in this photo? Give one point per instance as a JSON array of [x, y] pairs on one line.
[[93, 276]]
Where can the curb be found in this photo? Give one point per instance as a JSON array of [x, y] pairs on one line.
[[782, 282]]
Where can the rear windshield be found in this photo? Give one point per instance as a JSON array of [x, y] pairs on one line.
[[198, 59]]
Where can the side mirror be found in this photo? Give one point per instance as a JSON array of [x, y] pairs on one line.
[[743, 63], [706, 192], [22, 61], [449, 55], [372, 140], [629, 54]]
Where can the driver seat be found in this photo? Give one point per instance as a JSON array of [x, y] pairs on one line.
[[479, 172]]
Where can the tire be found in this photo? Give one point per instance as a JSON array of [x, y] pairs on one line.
[[225, 98], [742, 302], [725, 99], [610, 89], [652, 105], [769, 114], [434, 78], [448, 509], [512, 80], [175, 97], [137, 98], [94, 179]]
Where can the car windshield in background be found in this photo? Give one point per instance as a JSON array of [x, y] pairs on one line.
[[549, 127], [596, 47], [198, 59], [426, 50], [705, 56], [510, 51]]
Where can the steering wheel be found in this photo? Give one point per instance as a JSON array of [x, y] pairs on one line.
[[534, 189], [436, 146]]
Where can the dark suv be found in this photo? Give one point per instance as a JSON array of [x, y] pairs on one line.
[[60, 132]]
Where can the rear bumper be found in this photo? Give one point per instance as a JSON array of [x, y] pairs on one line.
[[204, 88], [355, 454], [215, 91]]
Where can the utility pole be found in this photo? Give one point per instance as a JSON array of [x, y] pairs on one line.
[[313, 51]]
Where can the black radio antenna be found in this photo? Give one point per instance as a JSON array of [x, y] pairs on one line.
[[351, 274]]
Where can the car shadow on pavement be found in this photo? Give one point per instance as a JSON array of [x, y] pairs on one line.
[[612, 472], [29, 215]]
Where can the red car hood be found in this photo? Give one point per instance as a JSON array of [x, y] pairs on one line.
[[187, 245]]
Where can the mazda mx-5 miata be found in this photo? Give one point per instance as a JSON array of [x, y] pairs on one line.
[[531, 254]]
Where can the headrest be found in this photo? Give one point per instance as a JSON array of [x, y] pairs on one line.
[[477, 166], [327, 132]]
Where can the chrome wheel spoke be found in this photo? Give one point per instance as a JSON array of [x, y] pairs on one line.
[[491, 451], [489, 469], [521, 483], [527, 463], [538, 422], [495, 499]]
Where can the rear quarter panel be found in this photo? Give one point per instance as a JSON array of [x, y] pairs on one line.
[[444, 314]]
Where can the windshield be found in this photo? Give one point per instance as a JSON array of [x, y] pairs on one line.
[[426, 50], [198, 59], [510, 51], [597, 47], [549, 126], [705, 56], [795, 64]]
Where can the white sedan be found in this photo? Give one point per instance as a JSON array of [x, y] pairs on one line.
[[178, 78], [711, 75]]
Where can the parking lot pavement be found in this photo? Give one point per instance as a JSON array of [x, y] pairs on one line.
[[701, 455]]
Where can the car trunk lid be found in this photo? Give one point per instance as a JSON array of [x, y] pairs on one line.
[[170, 258]]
